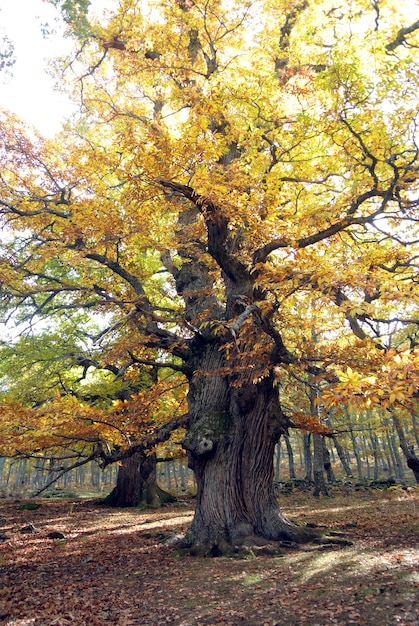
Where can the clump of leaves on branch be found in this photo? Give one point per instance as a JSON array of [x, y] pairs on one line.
[[243, 176]]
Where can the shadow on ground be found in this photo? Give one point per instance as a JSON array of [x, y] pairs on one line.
[[113, 567]]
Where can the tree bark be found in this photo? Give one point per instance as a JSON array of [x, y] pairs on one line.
[[234, 415], [327, 464], [291, 466], [320, 487], [408, 451], [340, 451], [398, 465], [356, 453], [230, 447], [277, 456], [308, 460], [136, 484]]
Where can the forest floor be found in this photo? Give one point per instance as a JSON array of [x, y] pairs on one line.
[[113, 567]]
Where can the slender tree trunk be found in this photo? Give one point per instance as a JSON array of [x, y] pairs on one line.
[[374, 448], [300, 451], [183, 475], [21, 476], [38, 475], [398, 465], [327, 463], [308, 460], [2, 465], [136, 484], [340, 452], [356, 454], [408, 450], [168, 475], [318, 449], [9, 473], [290, 453], [95, 474], [343, 457], [366, 456], [393, 467], [318, 467], [386, 465]]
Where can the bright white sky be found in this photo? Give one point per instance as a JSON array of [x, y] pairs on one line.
[[29, 92]]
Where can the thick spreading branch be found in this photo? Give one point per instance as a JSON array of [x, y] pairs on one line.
[[159, 435], [105, 458], [401, 36], [217, 230], [120, 271], [173, 366], [261, 255]]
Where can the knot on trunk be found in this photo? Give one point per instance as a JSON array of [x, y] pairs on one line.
[[200, 444]]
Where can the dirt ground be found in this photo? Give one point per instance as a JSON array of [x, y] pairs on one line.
[[104, 566]]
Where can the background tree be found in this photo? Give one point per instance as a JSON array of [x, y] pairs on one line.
[[60, 367], [239, 177]]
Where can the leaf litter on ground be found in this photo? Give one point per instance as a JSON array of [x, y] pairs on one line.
[[91, 565]]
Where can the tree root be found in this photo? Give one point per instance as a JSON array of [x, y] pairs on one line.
[[255, 545]]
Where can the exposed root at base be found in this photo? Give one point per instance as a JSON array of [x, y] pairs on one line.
[[254, 545]]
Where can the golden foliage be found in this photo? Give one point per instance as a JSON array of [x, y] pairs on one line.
[[242, 173]]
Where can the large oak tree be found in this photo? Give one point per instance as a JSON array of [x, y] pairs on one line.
[[242, 177]]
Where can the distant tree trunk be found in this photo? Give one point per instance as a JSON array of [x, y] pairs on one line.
[[365, 449], [308, 461], [2, 464], [95, 474], [38, 475], [374, 448], [9, 473], [343, 457], [136, 484], [21, 477], [290, 453], [356, 454], [278, 461], [183, 476], [398, 465], [327, 463], [408, 451], [318, 448], [318, 467], [386, 463], [393, 468], [340, 451]]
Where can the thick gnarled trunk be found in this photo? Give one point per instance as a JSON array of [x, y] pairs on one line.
[[136, 484], [231, 449]]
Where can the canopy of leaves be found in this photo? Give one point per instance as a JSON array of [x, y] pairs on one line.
[[241, 171]]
